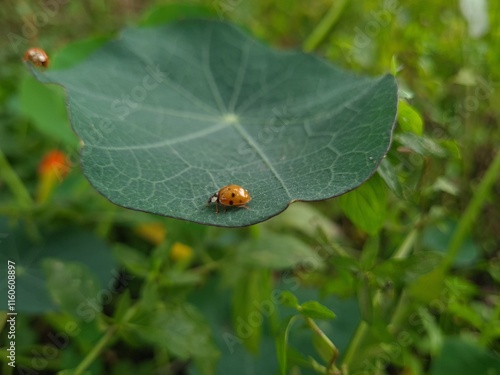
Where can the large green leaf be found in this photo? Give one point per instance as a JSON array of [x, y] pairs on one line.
[[33, 293], [170, 114]]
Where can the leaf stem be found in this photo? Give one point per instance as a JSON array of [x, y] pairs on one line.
[[404, 250], [94, 353], [472, 211], [401, 253], [321, 31], [355, 344], [314, 327], [14, 183]]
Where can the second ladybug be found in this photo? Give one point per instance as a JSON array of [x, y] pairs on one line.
[[230, 195]]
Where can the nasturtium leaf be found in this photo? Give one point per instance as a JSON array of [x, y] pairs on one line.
[[170, 114]]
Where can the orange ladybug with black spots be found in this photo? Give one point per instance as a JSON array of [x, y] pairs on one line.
[[230, 196]]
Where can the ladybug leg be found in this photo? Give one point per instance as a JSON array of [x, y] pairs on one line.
[[244, 207], [216, 207], [225, 209]]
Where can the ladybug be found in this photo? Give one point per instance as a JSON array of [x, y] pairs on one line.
[[37, 57], [230, 195]]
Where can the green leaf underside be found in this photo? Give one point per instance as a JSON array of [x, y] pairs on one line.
[[210, 106]]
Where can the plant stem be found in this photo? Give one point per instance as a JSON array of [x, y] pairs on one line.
[[13, 181], [321, 31], [472, 211], [94, 353], [404, 250], [331, 365], [401, 253], [355, 343]]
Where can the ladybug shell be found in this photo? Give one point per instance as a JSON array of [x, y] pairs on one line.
[[37, 57], [233, 195]]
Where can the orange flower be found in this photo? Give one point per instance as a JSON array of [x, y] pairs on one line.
[[54, 162], [53, 168]]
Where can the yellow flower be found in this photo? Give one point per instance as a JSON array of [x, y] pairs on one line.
[[180, 252], [154, 233]]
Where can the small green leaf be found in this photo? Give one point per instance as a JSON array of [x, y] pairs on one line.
[[197, 105], [388, 173], [306, 219], [315, 310], [45, 107], [134, 261], [124, 301], [182, 331], [72, 286], [452, 148], [421, 145], [369, 253], [428, 286], [278, 251], [287, 298], [409, 119], [177, 278], [73, 53], [366, 206], [251, 306]]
